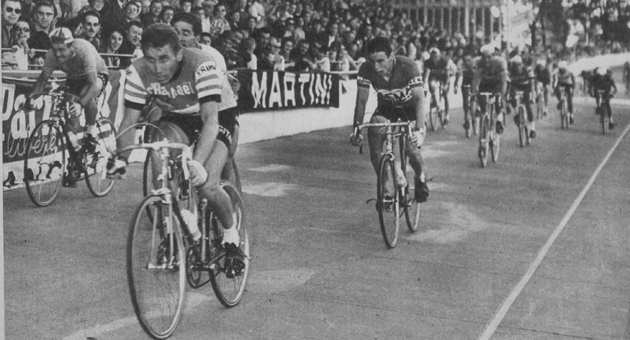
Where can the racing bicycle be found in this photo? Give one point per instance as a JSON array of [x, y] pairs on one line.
[[393, 201], [46, 165], [436, 109], [470, 123], [521, 119], [564, 111], [162, 254], [489, 138], [602, 109]]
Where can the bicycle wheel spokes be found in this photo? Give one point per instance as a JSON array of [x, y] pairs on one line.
[[412, 214], [388, 201], [44, 163], [155, 269], [96, 162], [229, 290]]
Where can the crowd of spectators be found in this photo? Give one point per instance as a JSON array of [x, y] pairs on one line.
[[292, 35]]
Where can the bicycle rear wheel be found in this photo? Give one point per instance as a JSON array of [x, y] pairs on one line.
[[96, 162], [484, 135], [388, 201], [44, 163], [522, 128], [441, 107], [156, 273], [230, 290]]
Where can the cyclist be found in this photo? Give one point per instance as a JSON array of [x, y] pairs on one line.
[[543, 80], [564, 80], [602, 80], [400, 94], [490, 75], [466, 74], [187, 82], [522, 79], [188, 27], [436, 69], [86, 78]]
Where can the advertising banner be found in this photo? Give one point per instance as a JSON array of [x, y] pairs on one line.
[[273, 90], [17, 124]]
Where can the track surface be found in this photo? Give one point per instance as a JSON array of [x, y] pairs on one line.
[[320, 268]]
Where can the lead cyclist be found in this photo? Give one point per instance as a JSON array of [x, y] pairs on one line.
[[398, 84]]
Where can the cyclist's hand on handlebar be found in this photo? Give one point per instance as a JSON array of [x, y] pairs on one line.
[[198, 174], [417, 137], [356, 139], [166, 107], [116, 167]]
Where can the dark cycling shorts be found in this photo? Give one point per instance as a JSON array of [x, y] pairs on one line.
[[75, 86], [492, 87], [192, 124], [405, 114]]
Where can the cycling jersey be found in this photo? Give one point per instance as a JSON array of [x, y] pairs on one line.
[[195, 82], [438, 69], [86, 60], [521, 75], [493, 69], [542, 74], [564, 78], [397, 91], [603, 83], [466, 72]]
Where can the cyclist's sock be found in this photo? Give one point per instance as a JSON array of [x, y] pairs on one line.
[[91, 129], [401, 178], [231, 235]]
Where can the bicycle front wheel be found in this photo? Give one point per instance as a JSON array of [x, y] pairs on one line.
[[522, 129], [96, 162], [605, 119], [564, 117], [44, 163], [230, 290], [156, 272], [484, 135], [388, 201]]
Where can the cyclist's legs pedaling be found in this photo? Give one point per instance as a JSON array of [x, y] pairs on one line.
[[492, 87], [78, 87], [466, 104]]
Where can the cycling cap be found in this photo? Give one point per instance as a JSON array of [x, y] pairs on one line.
[[62, 32], [517, 59], [487, 49], [562, 65], [434, 50], [602, 71]]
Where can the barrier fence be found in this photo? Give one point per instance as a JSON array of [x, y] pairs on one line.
[[260, 91]]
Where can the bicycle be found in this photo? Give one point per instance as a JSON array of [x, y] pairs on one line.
[[161, 253], [470, 124], [564, 112], [602, 110], [540, 100], [436, 111], [521, 119], [489, 139], [45, 158], [398, 201]]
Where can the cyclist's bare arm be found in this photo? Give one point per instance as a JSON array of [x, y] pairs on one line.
[[93, 89], [363, 93], [209, 111], [417, 98], [41, 81]]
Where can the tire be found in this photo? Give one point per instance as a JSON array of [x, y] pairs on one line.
[[96, 163], [44, 163], [564, 116], [388, 207], [230, 291], [522, 129], [604, 118], [433, 117], [157, 288], [440, 110], [495, 144], [483, 140]]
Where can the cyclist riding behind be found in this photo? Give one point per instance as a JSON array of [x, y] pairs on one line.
[[465, 73], [522, 77], [490, 75], [602, 80], [543, 80], [398, 85], [564, 80], [188, 27], [86, 77], [436, 74], [187, 81]]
